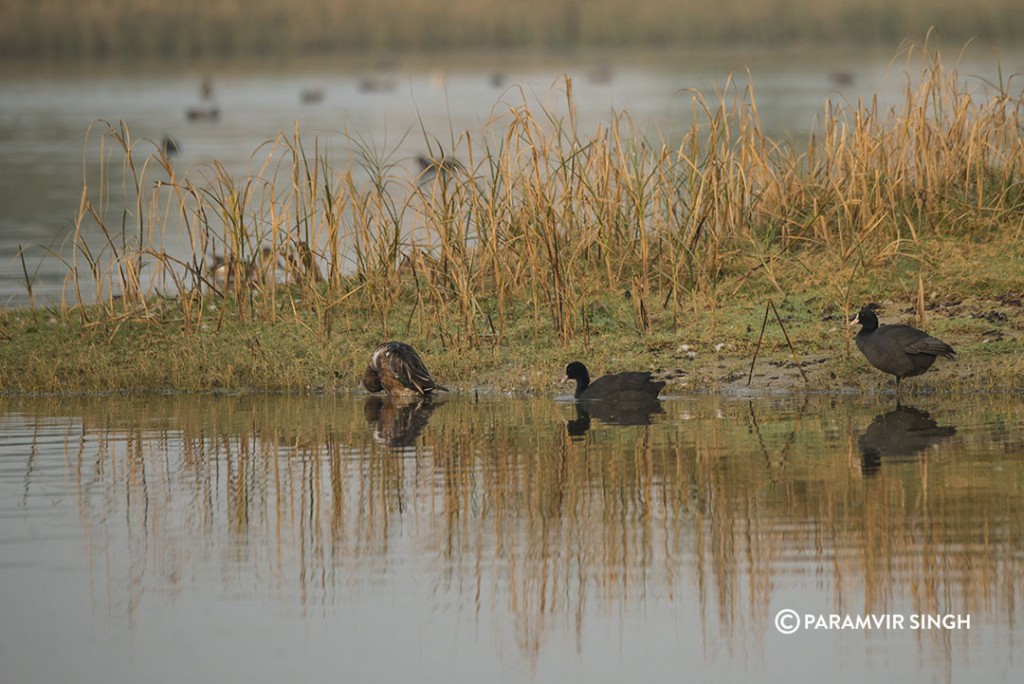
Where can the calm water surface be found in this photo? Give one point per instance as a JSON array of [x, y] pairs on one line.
[[348, 538], [44, 119]]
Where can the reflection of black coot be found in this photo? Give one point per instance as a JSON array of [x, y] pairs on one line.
[[901, 432], [613, 413], [579, 425], [397, 422]]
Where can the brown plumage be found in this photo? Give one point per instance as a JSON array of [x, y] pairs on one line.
[[396, 368], [899, 350]]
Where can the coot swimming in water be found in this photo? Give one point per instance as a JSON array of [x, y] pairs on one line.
[[622, 387]]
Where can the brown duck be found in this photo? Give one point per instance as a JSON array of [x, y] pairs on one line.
[[396, 368]]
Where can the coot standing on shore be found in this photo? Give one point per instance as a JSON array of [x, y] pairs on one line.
[[898, 350]]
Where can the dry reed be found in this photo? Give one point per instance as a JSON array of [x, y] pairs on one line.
[[539, 225]]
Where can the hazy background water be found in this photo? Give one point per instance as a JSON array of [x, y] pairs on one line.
[[345, 537], [45, 115]]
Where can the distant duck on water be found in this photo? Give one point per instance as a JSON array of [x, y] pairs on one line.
[[432, 167], [200, 113], [169, 146], [899, 350], [396, 368]]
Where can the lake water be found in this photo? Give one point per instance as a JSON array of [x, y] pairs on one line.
[[393, 109], [262, 538], [268, 538]]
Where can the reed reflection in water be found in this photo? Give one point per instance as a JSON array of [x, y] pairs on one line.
[[468, 540]]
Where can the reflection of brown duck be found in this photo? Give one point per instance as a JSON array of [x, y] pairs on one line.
[[398, 422], [396, 368], [903, 431]]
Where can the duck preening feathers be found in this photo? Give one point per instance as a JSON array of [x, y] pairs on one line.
[[396, 368]]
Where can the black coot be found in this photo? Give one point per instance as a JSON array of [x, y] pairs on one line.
[[899, 350], [622, 387]]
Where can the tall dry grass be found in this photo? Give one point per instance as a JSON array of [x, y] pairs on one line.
[[539, 221]]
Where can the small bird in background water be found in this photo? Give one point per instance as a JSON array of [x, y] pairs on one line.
[[898, 350], [442, 166], [169, 146], [311, 96], [396, 368], [211, 113]]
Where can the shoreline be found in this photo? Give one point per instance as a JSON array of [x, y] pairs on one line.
[[559, 247], [64, 370]]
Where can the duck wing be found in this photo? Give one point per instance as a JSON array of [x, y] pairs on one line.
[[401, 362]]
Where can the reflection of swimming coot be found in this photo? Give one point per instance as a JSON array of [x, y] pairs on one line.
[[396, 368], [904, 431], [620, 387], [898, 350], [640, 412], [578, 426]]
